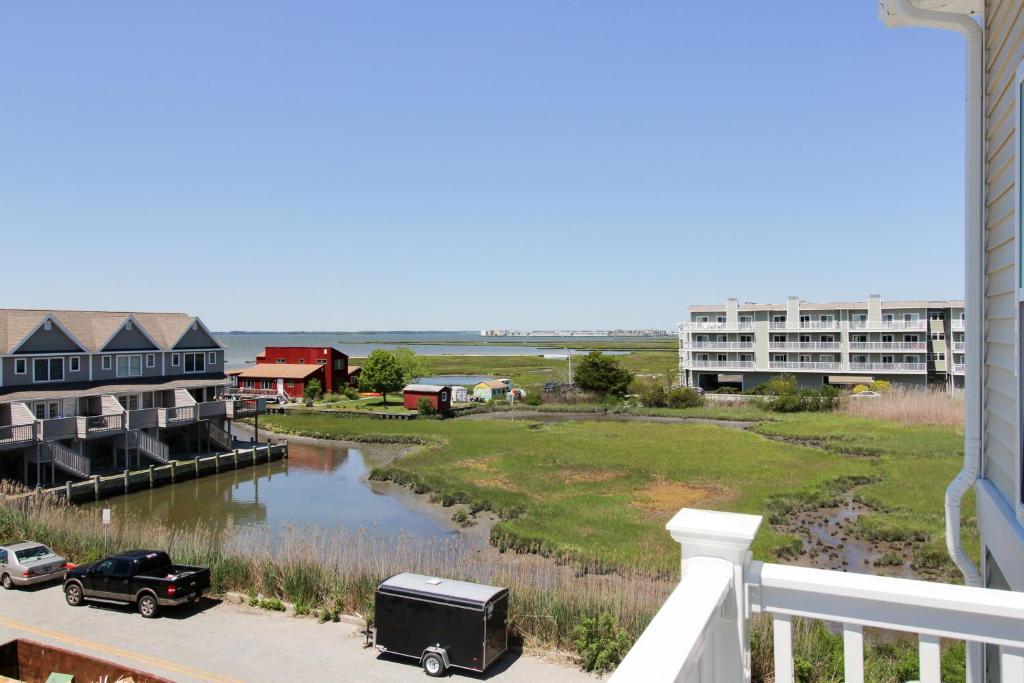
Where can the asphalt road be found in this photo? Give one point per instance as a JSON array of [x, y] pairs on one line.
[[224, 642]]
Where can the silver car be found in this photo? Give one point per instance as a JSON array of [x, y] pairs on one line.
[[28, 563]]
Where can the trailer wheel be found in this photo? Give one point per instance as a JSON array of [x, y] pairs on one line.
[[433, 665]]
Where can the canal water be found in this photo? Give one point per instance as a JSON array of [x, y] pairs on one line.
[[319, 485]]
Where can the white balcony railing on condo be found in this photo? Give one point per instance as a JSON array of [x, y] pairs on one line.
[[702, 632], [805, 325], [958, 324], [804, 365], [888, 346], [713, 345], [959, 347], [695, 325], [722, 364], [889, 367], [958, 368], [918, 324], [805, 346], [704, 326]]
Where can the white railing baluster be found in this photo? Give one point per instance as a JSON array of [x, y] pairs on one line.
[[930, 659], [782, 630], [1011, 661], [853, 653]]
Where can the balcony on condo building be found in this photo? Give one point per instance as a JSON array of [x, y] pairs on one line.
[[888, 367], [803, 346], [719, 345], [889, 346], [804, 365], [722, 364]]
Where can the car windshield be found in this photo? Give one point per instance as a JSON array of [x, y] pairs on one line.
[[34, 553]]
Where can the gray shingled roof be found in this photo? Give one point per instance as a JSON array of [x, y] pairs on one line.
[[92, 329]]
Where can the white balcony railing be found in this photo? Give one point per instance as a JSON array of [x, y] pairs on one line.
[[17, 435], [889, 367], [958, 368], [716, 345], [805, 346], [702, 632], [773, 325], [918, 324], [819, 325], [958, 325], [722, 364], [888, 346], [804, 365], [959, 347], [704, 326]]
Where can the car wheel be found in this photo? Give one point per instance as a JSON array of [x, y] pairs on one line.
[[147, 606], [433, 665], [73, 594], [7, 582]]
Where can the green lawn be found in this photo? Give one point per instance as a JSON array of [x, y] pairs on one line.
[[605, 490]]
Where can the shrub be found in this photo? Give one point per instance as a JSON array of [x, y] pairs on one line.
[[860, 388], [313, 390], [351, 393], [272, 604], [684, 397], [654, 396], [425, 407], [603, 374], [533, 399], [727, 390], [600, 643], [880, 385]]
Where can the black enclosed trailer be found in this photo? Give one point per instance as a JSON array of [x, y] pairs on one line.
[[440, 622]]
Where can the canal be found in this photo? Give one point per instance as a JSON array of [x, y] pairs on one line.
[[320, 485]]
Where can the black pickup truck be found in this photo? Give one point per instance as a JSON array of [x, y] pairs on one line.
[[144, 577]]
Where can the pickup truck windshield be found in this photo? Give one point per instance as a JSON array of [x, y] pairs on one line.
[[32, 554]]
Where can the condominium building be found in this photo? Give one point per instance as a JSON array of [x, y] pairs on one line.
[[91, 392], [843, 343]]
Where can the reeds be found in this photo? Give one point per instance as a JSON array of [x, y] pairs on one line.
[[336, 570], [911, 406]]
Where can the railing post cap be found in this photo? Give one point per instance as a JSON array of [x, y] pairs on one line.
[[712, 527]]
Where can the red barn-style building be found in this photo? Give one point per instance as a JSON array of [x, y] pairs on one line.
[[440, 397], [335, 363]]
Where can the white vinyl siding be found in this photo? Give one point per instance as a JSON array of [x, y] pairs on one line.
[[1004, 52]]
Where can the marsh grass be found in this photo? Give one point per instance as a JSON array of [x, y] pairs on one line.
[[910, 406], [330, 572]]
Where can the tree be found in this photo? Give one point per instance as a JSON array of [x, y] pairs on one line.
[[314, 390], [601, 373], [412, 365], [383, 373]]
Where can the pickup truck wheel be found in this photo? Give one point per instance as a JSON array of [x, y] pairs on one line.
[[433, 665], [73, 594], [7, 582], [147, 606]]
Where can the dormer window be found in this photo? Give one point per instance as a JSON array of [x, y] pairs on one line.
[[47, 325], [128, 325]]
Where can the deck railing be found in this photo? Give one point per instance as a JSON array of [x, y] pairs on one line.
[[918, 324], [103, 423], [11, 435], [804, 365], [805, 346], [959, 347], [718, 345], [180, 414], [889, 367], [888, 346], [243, 407], [701, 633], [721, 364]]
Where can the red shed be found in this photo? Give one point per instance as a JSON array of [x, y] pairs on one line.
[[334, 362], [440, 397]]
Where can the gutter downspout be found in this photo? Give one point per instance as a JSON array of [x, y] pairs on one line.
[[905, 13]]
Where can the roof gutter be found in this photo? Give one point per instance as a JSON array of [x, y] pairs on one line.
[[897, 13]]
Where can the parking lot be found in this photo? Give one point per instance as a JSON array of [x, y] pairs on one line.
[[221, 641]]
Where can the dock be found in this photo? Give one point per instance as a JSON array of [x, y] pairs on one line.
[[98, 487]]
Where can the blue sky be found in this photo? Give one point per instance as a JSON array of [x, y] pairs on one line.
[[458, 165]]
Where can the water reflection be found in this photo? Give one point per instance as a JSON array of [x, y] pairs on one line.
[[319, 485]]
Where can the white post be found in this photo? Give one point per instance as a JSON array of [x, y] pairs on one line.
[[724, 536]]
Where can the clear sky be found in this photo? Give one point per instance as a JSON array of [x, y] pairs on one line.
[[451, 164]]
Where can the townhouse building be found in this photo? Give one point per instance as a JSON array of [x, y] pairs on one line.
[[842, 343], [89, 392]]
